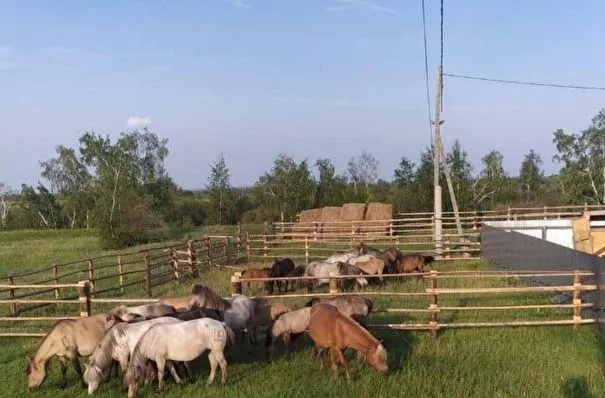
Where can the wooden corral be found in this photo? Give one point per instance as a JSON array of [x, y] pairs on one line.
[[590, 238]]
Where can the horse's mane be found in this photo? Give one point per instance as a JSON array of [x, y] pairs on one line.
[[356, 325], [109, 342], [211, 299]]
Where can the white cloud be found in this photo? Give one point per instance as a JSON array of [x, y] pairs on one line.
[[238, 3], [138, 121], [363, 3]]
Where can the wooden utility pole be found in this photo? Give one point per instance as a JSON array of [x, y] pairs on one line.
[[439, 155], [437, 204]]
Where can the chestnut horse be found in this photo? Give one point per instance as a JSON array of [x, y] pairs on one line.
[[253, 273], [414, 262], [331, 330]]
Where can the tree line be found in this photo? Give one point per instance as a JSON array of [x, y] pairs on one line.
[[122, 189]]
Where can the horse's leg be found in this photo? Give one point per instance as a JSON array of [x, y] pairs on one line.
[[344, 363], [213, 364], [160, 363], [319, 356], [189, 372], [76, 362], [220, 357], [334, 362], [63, 363], [173, 372]]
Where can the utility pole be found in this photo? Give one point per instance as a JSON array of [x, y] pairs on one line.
[[437, 204], [439, 157]]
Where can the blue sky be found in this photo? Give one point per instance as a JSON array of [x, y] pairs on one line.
[[329, 78]]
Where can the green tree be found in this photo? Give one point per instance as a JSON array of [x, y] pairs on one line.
[[288, 188], [404, 173], [491, 185], [222, 197], [531, 176], [71, 181], [330, 187], [583, 158], [42, 206], [363, 173]]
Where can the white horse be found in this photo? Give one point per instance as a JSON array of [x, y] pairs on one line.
[[344, 257], [363, 257], [184, 341], [117, 345], [289, 326]]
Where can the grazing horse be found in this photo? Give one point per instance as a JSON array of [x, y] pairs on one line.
[[183, 341], [357, 307], [123, 313], [265, 315], [348, 269], [331, 330], [322, 271], [238, 310], [279, 269], [117, 345], [344, 257], [253, 273], [414, 262], [289, 326], [68, 339], [374, 266], [389, 255], [296, 272]]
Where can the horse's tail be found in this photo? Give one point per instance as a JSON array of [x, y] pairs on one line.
[[230, 335], [370, 305]]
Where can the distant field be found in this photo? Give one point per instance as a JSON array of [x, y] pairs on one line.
[[513, 362]]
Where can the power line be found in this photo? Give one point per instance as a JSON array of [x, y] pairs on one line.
[[441, 54], [527, 83], [426, 73]]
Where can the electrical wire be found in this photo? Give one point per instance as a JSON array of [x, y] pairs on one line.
[[426, 73], [527, 83]]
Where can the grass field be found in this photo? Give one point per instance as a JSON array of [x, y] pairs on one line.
[[514, 362]]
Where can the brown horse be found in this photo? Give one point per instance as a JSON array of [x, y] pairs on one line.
[[331, 330], [413, 262], [68, 339], [253, 273]]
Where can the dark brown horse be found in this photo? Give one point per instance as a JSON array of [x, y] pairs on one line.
[[333, 331], [281, 268]]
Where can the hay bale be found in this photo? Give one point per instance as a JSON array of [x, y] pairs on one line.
[[306, 221], [349, 213], [330, 227], [378, 216]]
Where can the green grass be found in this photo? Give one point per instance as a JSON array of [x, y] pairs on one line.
[[493, 362]]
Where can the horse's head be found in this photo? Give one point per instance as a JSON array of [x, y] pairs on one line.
[[312, 302], [378, 359], [36, 373], [92, 376]]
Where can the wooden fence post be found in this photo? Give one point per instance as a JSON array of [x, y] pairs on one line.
[[474, 219], [238, 244], [192, 259], [84, 298], [391, 228], [248, 248], [174, 262], [333, 284], [236, 284], [147, 273], [306, 249], [577, 300], [56, 279], [11, 293], [209, 249], [508, 214], [315, 228], [545, 213], [433, 302], [91, 276], [265, 248], [227, 254], [120, 274]]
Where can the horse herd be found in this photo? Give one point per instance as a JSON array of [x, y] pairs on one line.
[[148, 339], [362, 261]]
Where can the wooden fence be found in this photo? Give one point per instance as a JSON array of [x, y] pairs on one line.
[[432, 292]]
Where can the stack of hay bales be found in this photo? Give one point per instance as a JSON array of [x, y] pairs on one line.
[[330, 226], [378, 216], [307, 220], [350, 213]]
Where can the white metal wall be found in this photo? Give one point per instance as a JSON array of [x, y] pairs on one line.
[[555, 231]]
